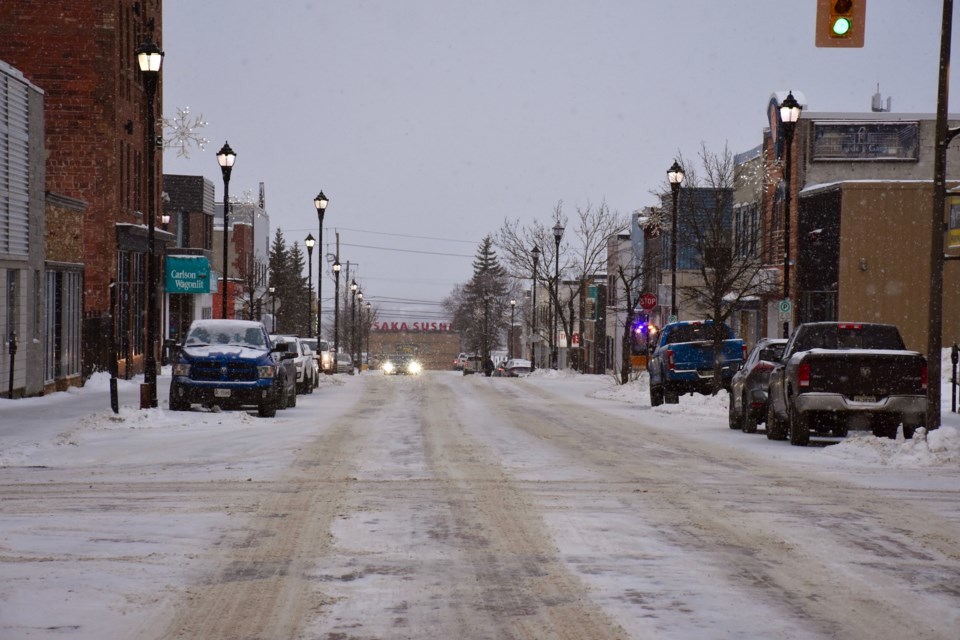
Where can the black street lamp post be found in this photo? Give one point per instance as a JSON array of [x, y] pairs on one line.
[[369, 326], [225, 157], [513, 306], [149, 59], [320, 202], [336, 312], [353, 317], [675, 177], [533, 316], [360, 332], [309, 241], [557, 236], [789, 114]]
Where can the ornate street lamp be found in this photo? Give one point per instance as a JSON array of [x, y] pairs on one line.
[[225, 157], [309, 241], [535, 252], [675, 177], [789, 114], [360, 332], [369, 326], [336, 312], [353, 317], [149, 59], [320, 202], [513, 306], [557, 236]]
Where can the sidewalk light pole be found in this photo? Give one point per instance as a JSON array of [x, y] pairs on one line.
[[320, 202], [789, 114], [535, 252], [513, 306], [273, 308], [675, 177], [309, 241], [336, 312], [360, 332], [225, 157], [353, 317], [557, 236], [149, 59]]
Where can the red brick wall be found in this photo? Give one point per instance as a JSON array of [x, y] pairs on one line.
[[81, 53]]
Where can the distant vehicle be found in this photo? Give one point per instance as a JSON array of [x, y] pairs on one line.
[[344, 363], [232, 364], [683, 360], [303, 361], [472, 364], [837, 376], [459, 360], [401, 365], [323, 353], [516, 367], [748, 388]]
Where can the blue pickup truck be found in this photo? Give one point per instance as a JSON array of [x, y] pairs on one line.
[[232, 364], [683, 360]]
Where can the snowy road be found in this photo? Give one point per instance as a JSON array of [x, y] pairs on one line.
[[445, 506]]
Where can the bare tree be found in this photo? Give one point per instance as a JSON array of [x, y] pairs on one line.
[[727, 278], [629, 273], [582, 253]]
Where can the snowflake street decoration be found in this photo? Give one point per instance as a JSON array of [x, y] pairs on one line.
[[180, 132]]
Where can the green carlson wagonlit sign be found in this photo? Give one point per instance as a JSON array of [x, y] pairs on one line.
[[188, 274]]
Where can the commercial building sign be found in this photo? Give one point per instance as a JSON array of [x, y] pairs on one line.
[[187, 274], [866, 141], [412, 326]]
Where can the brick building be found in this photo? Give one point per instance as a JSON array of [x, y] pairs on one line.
[[95, 108]]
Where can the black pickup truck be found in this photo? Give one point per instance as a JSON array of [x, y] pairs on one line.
[[837, 376]]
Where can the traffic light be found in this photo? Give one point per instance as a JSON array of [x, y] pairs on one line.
[[840, 23]]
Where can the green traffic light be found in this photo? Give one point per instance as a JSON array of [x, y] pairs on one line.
[[841, 26]]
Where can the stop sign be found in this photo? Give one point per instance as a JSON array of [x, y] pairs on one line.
[[648, 301]]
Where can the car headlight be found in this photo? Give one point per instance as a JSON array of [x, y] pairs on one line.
[[413, 367], [181, 369], [388, 367], [267, 371]]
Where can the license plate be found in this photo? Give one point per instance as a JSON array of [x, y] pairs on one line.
[[221, 393], [864, 398]]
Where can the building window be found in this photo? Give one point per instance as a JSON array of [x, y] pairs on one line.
[[14, 167]]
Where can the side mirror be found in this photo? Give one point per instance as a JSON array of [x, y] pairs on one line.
[[280, 347]]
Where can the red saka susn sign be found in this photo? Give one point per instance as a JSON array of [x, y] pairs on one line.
[[412, 326]]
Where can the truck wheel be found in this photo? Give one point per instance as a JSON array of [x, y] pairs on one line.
[[656, 396], [909, 428], [670, 395], [799, 429], [733, 420], [749, 419], [885, 428], [177, 403], [267, 408], [776, 430]]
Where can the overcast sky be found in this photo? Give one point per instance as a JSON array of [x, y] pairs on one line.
[[429, 122]]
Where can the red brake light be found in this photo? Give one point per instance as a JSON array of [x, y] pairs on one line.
[[849, 325], [803, 374], [743, 355], [923, 375], [763, 365], [669, 358]]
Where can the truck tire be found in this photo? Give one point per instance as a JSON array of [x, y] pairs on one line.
[[799, 429], [267, 408], [177, 403], [776, 429], [749, 421], [670, 394], [909, 428], [656, 396], [733, 420], [885, 428]]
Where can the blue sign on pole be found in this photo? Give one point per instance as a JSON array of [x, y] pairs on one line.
[[188, 274]]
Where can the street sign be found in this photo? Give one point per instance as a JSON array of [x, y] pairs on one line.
[[785, 306], [648, 301], [671, 319]]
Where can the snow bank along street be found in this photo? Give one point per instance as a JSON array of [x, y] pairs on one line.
[[443, 506]]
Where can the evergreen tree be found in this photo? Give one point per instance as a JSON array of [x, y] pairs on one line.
[[482, 312], [279, 273], [295, 294]]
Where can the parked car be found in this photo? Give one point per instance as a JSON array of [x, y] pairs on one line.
[[516, 367], [303, 361], [231, 364], [683, 360], [401, 365], [472, 364], [323, 353], [459, 360], [837, 376], [344, 363], [748, 387]]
